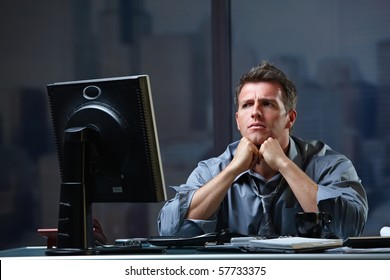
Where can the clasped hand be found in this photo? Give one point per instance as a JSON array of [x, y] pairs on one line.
[[248, 155]]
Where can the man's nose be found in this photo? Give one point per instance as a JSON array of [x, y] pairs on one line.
[[256, 110]]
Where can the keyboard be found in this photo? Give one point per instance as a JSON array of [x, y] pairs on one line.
[[174, 241]]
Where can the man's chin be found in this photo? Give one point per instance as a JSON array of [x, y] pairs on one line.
[[258, 141]]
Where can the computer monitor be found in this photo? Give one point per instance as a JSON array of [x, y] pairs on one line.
[[108, 151]]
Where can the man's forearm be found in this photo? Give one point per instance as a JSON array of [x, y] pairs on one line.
[[304, 188], [207, 199]]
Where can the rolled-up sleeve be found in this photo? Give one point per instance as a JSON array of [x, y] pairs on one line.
[[340, 193], [172, 217]]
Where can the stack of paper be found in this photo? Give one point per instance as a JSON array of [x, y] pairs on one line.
[[295, 243]]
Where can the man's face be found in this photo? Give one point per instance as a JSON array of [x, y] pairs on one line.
[[261, 113]]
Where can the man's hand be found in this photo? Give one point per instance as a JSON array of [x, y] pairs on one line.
[[273, 154], [246, 157]]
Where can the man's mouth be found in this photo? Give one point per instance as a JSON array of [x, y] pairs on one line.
[[256, 125]]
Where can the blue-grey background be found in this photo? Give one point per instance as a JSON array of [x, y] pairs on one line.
[[337, 52]]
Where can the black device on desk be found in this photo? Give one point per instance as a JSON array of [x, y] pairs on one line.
[[368, 242], [172, 241], [108, 151]]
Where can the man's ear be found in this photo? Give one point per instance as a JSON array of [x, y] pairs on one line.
[[238, 126], [292, 116]]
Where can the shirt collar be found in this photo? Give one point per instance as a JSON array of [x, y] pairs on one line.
[[293, 153]]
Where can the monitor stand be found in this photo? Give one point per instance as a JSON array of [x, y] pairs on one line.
[[75, 226]]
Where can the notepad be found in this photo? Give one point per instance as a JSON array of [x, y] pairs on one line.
[[295, 243]]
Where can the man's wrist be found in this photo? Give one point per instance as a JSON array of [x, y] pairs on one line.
[[284, 165]]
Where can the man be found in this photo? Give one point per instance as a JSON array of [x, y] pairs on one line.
[[230, 191]]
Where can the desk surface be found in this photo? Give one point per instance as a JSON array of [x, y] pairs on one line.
[[192, 253]]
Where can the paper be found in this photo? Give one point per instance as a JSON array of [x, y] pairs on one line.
[[296, 243]]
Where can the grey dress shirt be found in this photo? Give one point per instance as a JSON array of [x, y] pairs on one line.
[[340, 193]]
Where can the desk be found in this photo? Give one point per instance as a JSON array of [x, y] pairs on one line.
[[195, 254]]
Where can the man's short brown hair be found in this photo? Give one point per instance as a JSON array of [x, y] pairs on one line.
[[266, 72]]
